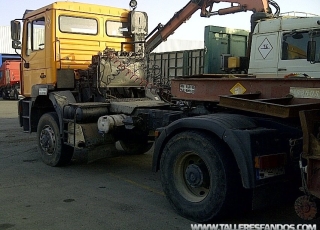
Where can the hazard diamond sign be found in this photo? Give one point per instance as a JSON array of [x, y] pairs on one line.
[[238, 89], [265, 48]]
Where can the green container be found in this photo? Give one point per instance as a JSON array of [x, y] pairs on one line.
[[162, 67], [222, 41]]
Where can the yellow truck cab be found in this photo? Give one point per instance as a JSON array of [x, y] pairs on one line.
[[76, 57], [62, 37]]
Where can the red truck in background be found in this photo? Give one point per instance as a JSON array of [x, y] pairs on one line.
[[10, 79]]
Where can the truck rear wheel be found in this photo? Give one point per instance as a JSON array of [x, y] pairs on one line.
[[50, 145], [198, 176]]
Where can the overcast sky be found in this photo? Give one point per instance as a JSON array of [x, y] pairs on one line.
[[160, 11]]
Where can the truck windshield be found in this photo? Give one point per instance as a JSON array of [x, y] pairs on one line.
[[69, 24]]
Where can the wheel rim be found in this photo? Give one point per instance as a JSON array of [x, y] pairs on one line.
[[48, 140], [192, 177], [306, 208]]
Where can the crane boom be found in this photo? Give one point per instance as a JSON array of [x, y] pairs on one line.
[[162, 32]]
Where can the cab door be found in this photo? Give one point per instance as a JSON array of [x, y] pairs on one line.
[[264, 55], [35, 48]]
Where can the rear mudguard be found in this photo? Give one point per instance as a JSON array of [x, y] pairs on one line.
[[240, 133]]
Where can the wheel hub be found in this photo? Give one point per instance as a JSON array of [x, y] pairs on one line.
[[194, 175], [305, 208], [47, 140]]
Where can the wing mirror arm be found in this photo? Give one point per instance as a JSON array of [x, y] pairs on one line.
[[16, 43]]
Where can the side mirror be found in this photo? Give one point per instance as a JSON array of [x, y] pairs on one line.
[[311, 52], [16, 45], [15, 30]]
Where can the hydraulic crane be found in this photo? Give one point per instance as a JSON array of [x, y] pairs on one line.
[[162, 32]]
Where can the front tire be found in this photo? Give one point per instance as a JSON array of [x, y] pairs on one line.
[[198, 176], [50, 145]]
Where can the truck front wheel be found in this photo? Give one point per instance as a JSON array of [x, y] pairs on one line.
[[50, 145], [198, 176]]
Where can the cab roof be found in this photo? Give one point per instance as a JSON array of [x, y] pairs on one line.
[[78, 7]]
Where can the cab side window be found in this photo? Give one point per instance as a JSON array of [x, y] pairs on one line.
[[29, 37], [117, 29], [35, 35], [78, 25]]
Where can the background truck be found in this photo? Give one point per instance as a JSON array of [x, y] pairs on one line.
[[10, 79], [87, 86]]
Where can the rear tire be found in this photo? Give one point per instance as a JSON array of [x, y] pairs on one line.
[[50, 145], [199, 176]]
